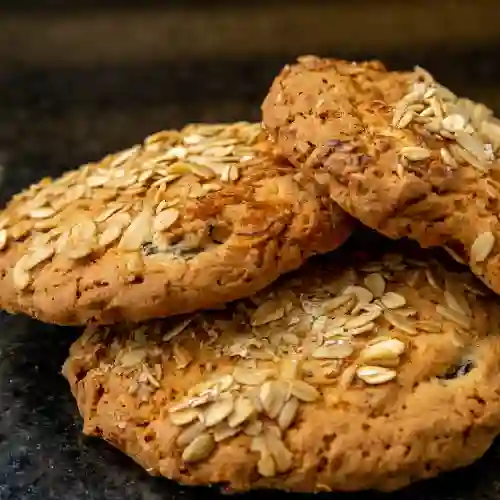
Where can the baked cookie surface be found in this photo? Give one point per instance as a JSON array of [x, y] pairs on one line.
[[333, 378], [399, 151], [187, 220]]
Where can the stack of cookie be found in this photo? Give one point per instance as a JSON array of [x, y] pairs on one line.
[[269, 368]]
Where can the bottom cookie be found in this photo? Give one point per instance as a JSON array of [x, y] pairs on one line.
[[337, 377]]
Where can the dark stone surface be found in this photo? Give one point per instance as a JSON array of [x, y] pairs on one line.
[[50, 121]]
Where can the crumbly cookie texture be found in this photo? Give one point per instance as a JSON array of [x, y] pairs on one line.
[[333, 378], [184, 221], [398, 150]]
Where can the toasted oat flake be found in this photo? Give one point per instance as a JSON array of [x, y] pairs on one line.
[[123, 156], [218, 411], [333, 304], [362, 294], [193, 402], [177, 329], [250, 377], [184, 417], [273, 395], [81, 240], [362, 319], [201, 447], [217, 384], [482, 247], [393, 300], [374, 375], [375, 283], [190, 433], [289, 368], [407, 311], [132, 358], [223, 431], [383, 350], [266, 313], [177, 152], [97, 180], [447, 157], [193, 139], [288, 413], [254, 428], [414, 153], [114, 229], [282, 456], [400, 322], [202, 171], [453, 303], [456, 317], [42, 213], [138, 232], [362, 329], [454, 122], [338, 349], [230, 173], [39, 255], [266, 466], [304, 391], [429, 326], [406, 119], [471, 144], [243, 410], [165, 219]]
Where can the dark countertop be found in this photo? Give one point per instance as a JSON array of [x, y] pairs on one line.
[[53, 117]]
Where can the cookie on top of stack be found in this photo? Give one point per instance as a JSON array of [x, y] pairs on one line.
[[188, 219], [216, 351], [398, 151]]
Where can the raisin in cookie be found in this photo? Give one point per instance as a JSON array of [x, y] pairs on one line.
[[187, 220], [399, 151], [333, 378]]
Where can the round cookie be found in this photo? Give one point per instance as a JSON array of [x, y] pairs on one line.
[[185, 221], [399, 151], [333, 378]]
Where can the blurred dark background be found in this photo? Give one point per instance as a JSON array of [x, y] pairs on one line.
[[81, 78]]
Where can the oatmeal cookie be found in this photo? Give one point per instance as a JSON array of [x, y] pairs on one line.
[[398, 150], [187, 220], [336, 377]]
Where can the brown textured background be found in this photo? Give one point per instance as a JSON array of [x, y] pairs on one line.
[[79, 78]]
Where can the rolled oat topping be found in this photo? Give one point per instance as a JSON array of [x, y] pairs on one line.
[[266, 358]]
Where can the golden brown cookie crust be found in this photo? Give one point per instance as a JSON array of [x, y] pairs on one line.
[[185, 221], [333, 378], [399, 151]]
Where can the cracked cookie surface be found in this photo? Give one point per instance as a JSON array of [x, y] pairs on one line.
[[336, 377], [399, 151], [187, 220]]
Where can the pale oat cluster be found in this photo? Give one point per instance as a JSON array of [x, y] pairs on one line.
[[470, 132], [127, 200], [273, 354], [470, 129]]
